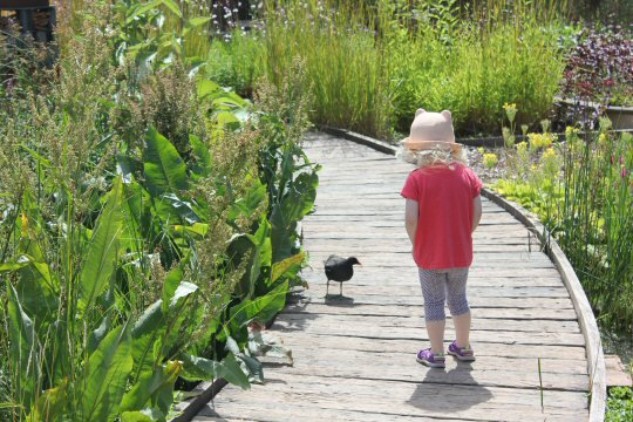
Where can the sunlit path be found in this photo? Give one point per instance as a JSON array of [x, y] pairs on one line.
[[354, 358]]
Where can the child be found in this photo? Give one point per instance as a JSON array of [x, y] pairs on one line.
[[443, 208]]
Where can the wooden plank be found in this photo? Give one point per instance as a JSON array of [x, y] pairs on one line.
[[417, 311], [483, 348], [474, 407], [617, 374], [482, 302], [477, 335], [485, 324]]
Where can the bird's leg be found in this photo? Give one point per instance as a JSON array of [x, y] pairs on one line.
[[341, 286], [327, 288]]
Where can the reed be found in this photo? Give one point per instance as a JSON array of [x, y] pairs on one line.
[[372, 64]]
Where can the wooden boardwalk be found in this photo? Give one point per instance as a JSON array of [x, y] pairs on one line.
[[354, 358]]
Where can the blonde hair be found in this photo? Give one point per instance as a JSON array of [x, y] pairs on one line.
[[433, 157]]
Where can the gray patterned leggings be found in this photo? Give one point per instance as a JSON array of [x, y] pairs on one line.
[[435, 286]]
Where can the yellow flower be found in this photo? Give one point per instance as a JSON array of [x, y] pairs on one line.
[[540, 140], [511, 111], [522, 147], [549, 153], [490, 160], [602, 138], [481, 150]]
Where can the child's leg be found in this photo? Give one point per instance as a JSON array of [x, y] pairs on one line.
[[434, 293], [458, 305]]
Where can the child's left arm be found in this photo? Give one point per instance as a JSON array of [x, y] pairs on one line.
[[477, 211]]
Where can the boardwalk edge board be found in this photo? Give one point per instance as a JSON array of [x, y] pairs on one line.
[[595, 355]]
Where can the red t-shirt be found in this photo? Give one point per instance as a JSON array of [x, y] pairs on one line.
[[445, 215]]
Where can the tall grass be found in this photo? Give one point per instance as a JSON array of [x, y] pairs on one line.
[[345, 66], [370, 67], [597, 223]]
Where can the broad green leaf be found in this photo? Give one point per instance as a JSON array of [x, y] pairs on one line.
[[197, 368], [170, 285], [100, 261], [138, 416], [197, 230], [248, 203], [183, 209], [173, 7], [207, 88], [263, 308], [147, 329], [95, 338], [156, 386], [142, 9], [255, 368], [282, 267], [37, 289], [105, 376], [202, 157], [184, 290], [24, 356], [136, 209], [226, 118], [198, 21], [164, 169], [231, 371], [50, 405]]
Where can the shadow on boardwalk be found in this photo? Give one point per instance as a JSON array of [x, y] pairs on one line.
[[354, 359]]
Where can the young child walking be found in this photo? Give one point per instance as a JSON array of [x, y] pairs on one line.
[[443, 208]]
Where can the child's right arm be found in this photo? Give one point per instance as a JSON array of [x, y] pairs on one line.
[[477, 210], [411, 219]]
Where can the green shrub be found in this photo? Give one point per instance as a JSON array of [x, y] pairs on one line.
[[619, 405]]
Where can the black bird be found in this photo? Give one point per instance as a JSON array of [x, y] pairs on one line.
[[339, 269]]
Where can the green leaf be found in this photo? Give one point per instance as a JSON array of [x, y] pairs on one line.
[[263, 308], [24, 356], [147, 329], [183, 209], [292, 263], [141, 9], [183, 291], [105, 376], [170, 285], [164, 169], [198, 21], [100, 261], [173, 7], [156, 385], [197, 230], [50, 405], [254, 367], [231, 371], [207, 88], [202, 157], [137, 416], [37, 288], [247, 204], [197, 368]]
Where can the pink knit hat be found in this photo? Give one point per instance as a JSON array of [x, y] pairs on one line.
[[431, 131]]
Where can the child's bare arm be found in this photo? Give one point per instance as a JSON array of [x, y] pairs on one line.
[[476, 212], [411, 219]]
